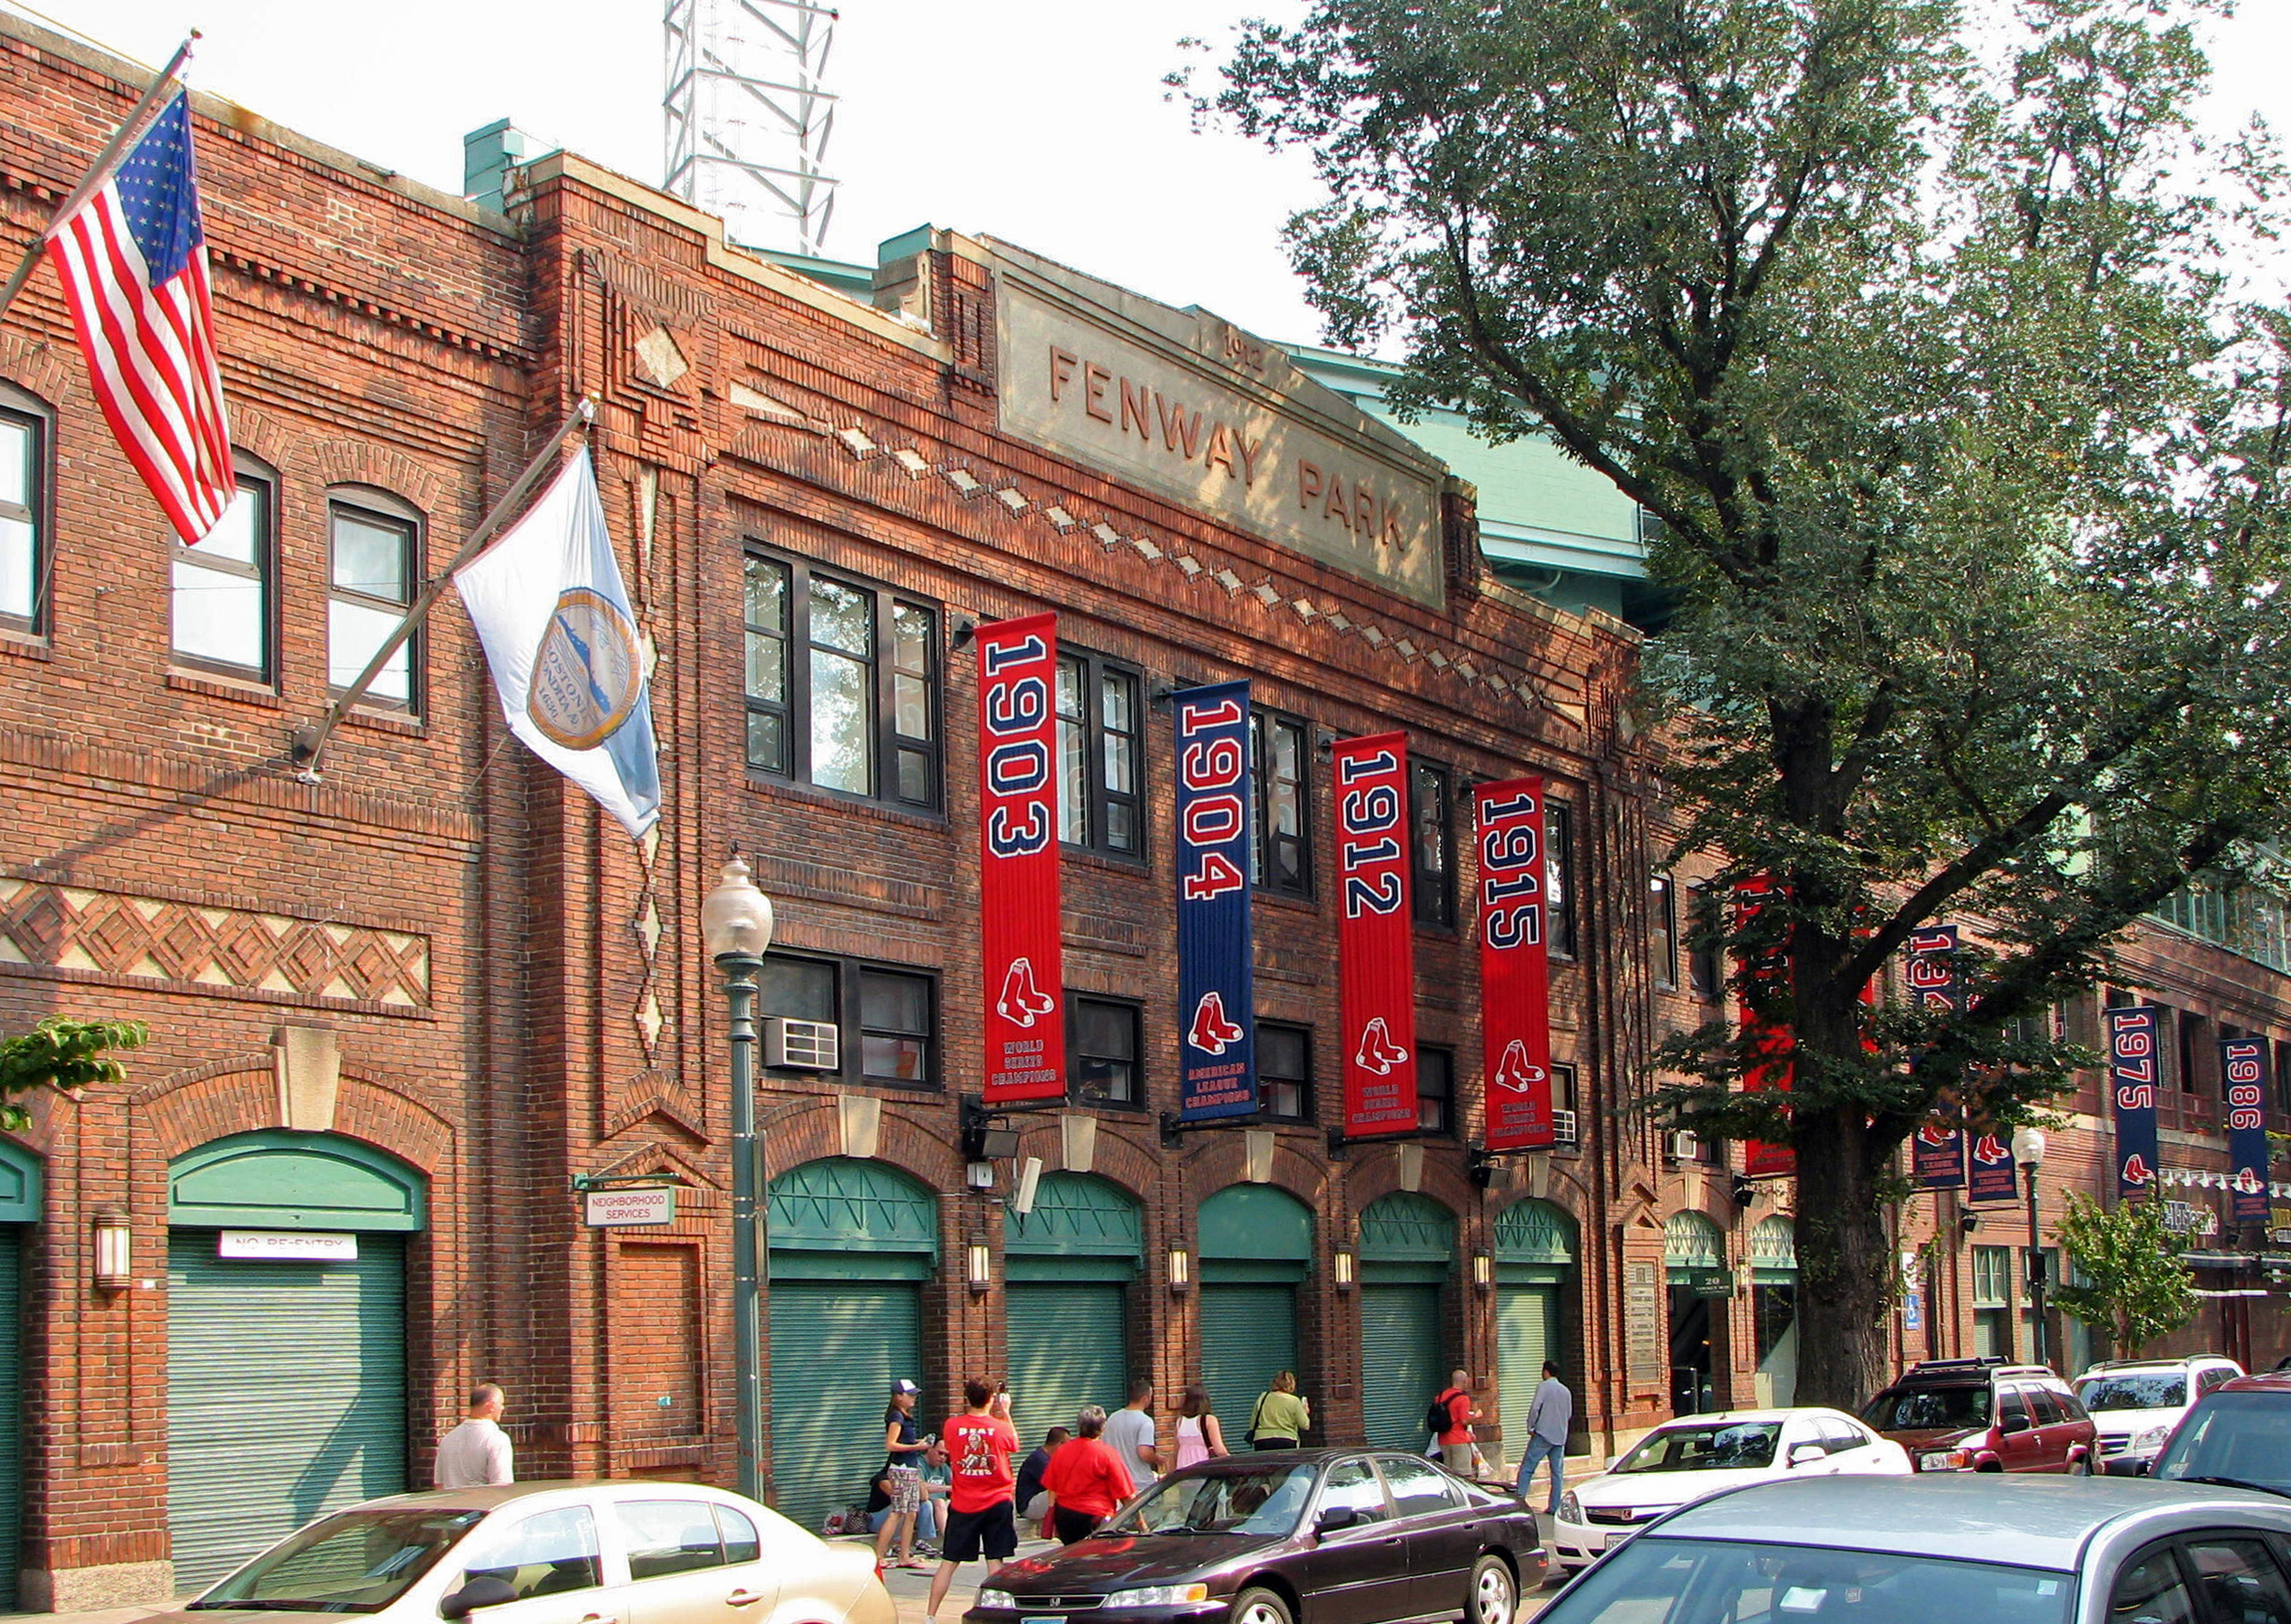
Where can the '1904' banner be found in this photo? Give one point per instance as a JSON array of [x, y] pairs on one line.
[[1375, 936], [2243, 1069], [2131, 1081], [1217, 1051], [1018, 860], [1514, 973], [1937, 1153]]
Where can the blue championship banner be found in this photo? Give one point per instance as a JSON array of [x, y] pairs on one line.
[[2132, 1082], [1937, 1153], [2243, 1076], [1992, 1178], [1216, 996]]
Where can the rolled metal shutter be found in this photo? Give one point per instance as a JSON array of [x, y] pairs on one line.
[[1399, 1362], [835, 1348], [1526, 1333], [11, 1404], [286, 1394], [1248, 1333], [1069, 1346]]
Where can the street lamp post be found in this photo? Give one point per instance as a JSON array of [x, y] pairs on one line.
[[2028, 1150], [735, 924]]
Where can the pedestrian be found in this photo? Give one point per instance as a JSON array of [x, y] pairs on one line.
[[981, 1519], [903, 1448], [1033, 1502], [1199, 1436], [477, 1452], [1282, 1414], [1548, 1416], [1131, 1434], [1455, 1439], [1085, 1480], [938, 1483]]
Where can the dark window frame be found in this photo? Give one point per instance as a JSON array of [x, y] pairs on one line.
[[1307, 1101], [1134, 1012], [885, 744], [380, 507], [1559, 879], [252, 478], [1662, 931], [38, 420], [1096, 796], [1705, 975], [851, 1027], [1432, 886], [1444, 1123], [1262, 724]]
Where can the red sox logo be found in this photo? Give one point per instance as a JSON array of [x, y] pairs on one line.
[[1991, 1148], [1022, 1002], [1933, 1133], [1212, 1032], [2136, 1170], [1377, 1052], [1515, 1073]]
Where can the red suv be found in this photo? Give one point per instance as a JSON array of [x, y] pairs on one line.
[[2238, 1433], [1983, 1415]]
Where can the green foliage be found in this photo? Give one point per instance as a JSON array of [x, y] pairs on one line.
[[66, 1055], [2137, 1288]]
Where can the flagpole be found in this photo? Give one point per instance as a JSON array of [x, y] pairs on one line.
[[305, 743], [105, 162]]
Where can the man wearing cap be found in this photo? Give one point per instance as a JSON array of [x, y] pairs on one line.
[[904, 1471]]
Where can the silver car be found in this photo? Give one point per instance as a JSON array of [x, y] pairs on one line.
[[1975, 1549], [623, 1552]]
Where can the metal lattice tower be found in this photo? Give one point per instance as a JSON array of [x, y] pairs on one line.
[[747, 122]]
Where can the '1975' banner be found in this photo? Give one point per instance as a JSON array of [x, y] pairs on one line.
[[1019, 924], [2132, 1075]]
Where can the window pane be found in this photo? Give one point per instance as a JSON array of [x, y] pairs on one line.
[[801, 988], [910, 706], [1122, 827], [218, 615], [1435, 1087], [667, 1536], [2241, 1580], [19, 569], [2150, 1591], [18, 445], [766, 595], [1280, 1051], [1122, 763], [1108, 1030], [353, 633], [1073, 773], [767, 741], [549, 1554], [914, 777], [842, 617], [894, 1003], [895, 1059], [1117, 702], [740, 1541], [842, 721], [911, 627], [370, 555], [1559, 856], [767, 669]]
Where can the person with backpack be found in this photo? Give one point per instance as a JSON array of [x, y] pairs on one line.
[[1449, 1421]]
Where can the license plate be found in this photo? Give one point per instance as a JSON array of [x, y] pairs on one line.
[[1043, 1617]]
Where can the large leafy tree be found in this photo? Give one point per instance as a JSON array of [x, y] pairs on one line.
[[1921, 334]]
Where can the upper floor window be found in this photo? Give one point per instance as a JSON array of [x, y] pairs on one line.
[[842, 683], [1280, 844], [1662, 931], [23, 511], [1285, 1071], [1101, 758], [1703, 977], [886, 1017], [221, 593], [1435, 1090], [374, 572], [1104, 1048], [1431, 852], [1559, 878]]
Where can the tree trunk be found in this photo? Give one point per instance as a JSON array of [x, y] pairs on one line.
[[1845, 1269]]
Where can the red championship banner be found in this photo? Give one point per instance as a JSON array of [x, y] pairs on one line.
[[1771, 1044], [1514, 974], [1018, 862], [1375, 936]]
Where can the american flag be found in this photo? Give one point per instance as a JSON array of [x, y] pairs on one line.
[[134, 262]]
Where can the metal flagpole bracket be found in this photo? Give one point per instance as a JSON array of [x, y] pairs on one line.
[[583, 1182], [1338, 1143], [1175, 1128]]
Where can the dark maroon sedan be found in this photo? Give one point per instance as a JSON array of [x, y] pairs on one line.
[[1335, 1535]]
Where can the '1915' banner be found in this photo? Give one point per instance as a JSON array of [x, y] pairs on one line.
[[2131, 1081], [1514, 973], [2243, 1073], [1937, 1153], [1018, 860], [1215, 978], [1375, 936]]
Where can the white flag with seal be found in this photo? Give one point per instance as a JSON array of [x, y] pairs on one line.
[[549, 606]]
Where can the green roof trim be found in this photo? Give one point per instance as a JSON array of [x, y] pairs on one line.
[[1692, 1241], [1077, 1214], [1255, 1223], [1535, 1232], [1404, 1228], [841, 1204], [277, 1179], [22, 1189], [1773, 1250]]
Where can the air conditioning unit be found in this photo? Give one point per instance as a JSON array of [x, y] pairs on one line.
[[1681, 1146], [1563, 1127], [802, 1045]]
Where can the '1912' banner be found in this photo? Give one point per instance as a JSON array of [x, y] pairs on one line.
[[1514, 973], [1375, 936], [2131, 1081], [1937, 1153], [1215, 984], [1018, 862], [2242, 1075]]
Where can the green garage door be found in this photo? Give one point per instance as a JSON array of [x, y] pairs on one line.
[[12, 1418], [1068, 1348], [1248, 1331], [836, 1346], [1400, 1356], [286, 1394], [1526, 1333]]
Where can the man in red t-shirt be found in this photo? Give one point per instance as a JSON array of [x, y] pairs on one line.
[[1455, 1438], [981, 1518]]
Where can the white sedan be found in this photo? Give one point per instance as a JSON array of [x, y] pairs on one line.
[[1695, 1456]]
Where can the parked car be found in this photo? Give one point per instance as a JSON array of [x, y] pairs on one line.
[[1695, 1456], [1964, 1549], [1328, 1536], [556, 1553], [1983, 1415], [2238, 1433], [2136, 1402]]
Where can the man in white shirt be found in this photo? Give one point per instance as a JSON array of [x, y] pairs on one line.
[[476, 1453], [1129, 1434], [1548, 1417]]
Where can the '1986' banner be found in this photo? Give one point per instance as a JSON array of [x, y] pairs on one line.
[[2243, 1073], [1514, 973], [1019, 924], [1375, 936]]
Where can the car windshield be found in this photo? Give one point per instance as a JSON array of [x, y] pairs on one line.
[[2150, 1390], [1928, 1409], [1698, 1581], [2244, 1436], [1740, 1446], [354, 1561], [1268, 1500]]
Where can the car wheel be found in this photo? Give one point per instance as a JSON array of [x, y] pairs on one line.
[[1495, 1597], [2081, 1467], [1259, 1606]]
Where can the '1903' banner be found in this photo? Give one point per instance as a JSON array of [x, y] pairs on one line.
[[1018, 860], [2243, 1069], [1375, 936], [1514, 974], [2131, 1081], [1937, 1153], [1217, 1051]]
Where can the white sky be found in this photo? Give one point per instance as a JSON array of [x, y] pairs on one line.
[[1040, 122]]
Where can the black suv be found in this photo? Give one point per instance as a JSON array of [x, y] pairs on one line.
[[1983, 1415]]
